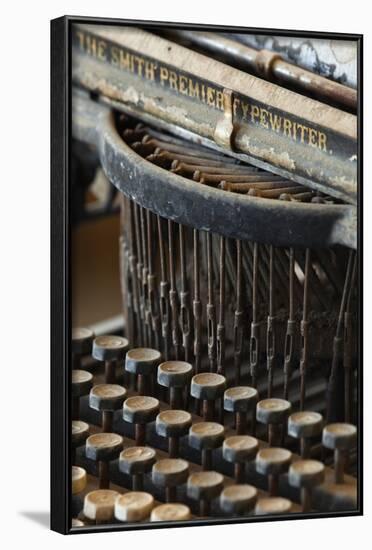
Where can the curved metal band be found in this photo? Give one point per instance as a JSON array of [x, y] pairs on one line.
[[275, 222]]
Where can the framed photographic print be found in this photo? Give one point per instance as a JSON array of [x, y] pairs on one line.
[[206, 262]]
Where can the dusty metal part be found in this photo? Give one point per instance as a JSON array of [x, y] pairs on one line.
[[299, 138], [268, 64], [333, 59], [204, 207]]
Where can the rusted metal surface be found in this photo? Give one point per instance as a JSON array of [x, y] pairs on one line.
[[333, 59], [206, 207], [270, 65], [292, 135]]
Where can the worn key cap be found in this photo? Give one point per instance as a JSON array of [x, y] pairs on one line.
[[137, 461]]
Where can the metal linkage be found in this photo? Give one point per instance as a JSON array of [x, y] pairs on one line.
[[197, 305], [238, 315], [270, 331], [152, 283], [211, 309], [304, 328], [291, 329], [173, 293], [164, 303], [184, 296], [255, 325]]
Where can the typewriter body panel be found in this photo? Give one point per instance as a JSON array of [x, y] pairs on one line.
[[231, 389]]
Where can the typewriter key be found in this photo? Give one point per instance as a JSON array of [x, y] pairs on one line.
[[304, 475], [208, 387], [133, 506], [340, 437], [103, 448], [78, 480], [171, 512], [78, 484], [81, 384], [107, 398], [81, 344], [239, 449], [140, 410], [99, 505], [175, 375], [204, 487], [240, 400], [273, 412], [77, 523], [169, 473], [304, 425], [142, 362], [206, 436], [110, 349], [137, 461], [79, 434], [272, 505], [173, 424], [238, 500], [273, 461]]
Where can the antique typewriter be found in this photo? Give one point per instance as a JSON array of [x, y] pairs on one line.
[[231, 391]]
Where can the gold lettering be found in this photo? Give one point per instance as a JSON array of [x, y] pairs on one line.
[[303, 130], [183, 84], [219, 101], [322, 141], [294, 131], [125, 61], [287, 125], [263, 119], [173, 81], [164, 75], [210, 96], [193, 89], [81, 37], [101, 54], [91, 45], [245, 107], [255, 112], [312, 137], [150, 67], [236, 104], [275, 122]]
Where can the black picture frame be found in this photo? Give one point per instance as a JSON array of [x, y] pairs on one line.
[[61, 268]]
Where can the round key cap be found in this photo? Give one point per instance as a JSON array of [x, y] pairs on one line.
[[240, 400], [174, 375], [78, 479], [273, 461], [143, 363], [173, 424], [340, 437], [133, 506], [238, 499], [169, 473], [303, 425], [304, 475], [171, 512], [272, 505], [103, 447], [99, 505], [81, 340], [77, 523], [79, 433], [273, 412], [204, 487], [206, 436], [140, 410], [239, 449], [107, 398], [110, 349], [208, 387], [81, 382], [137, 461]]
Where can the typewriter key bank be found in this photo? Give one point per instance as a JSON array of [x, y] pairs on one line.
[[213, 366]]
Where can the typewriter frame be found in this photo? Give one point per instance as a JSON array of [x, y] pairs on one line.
[[61, 274]]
